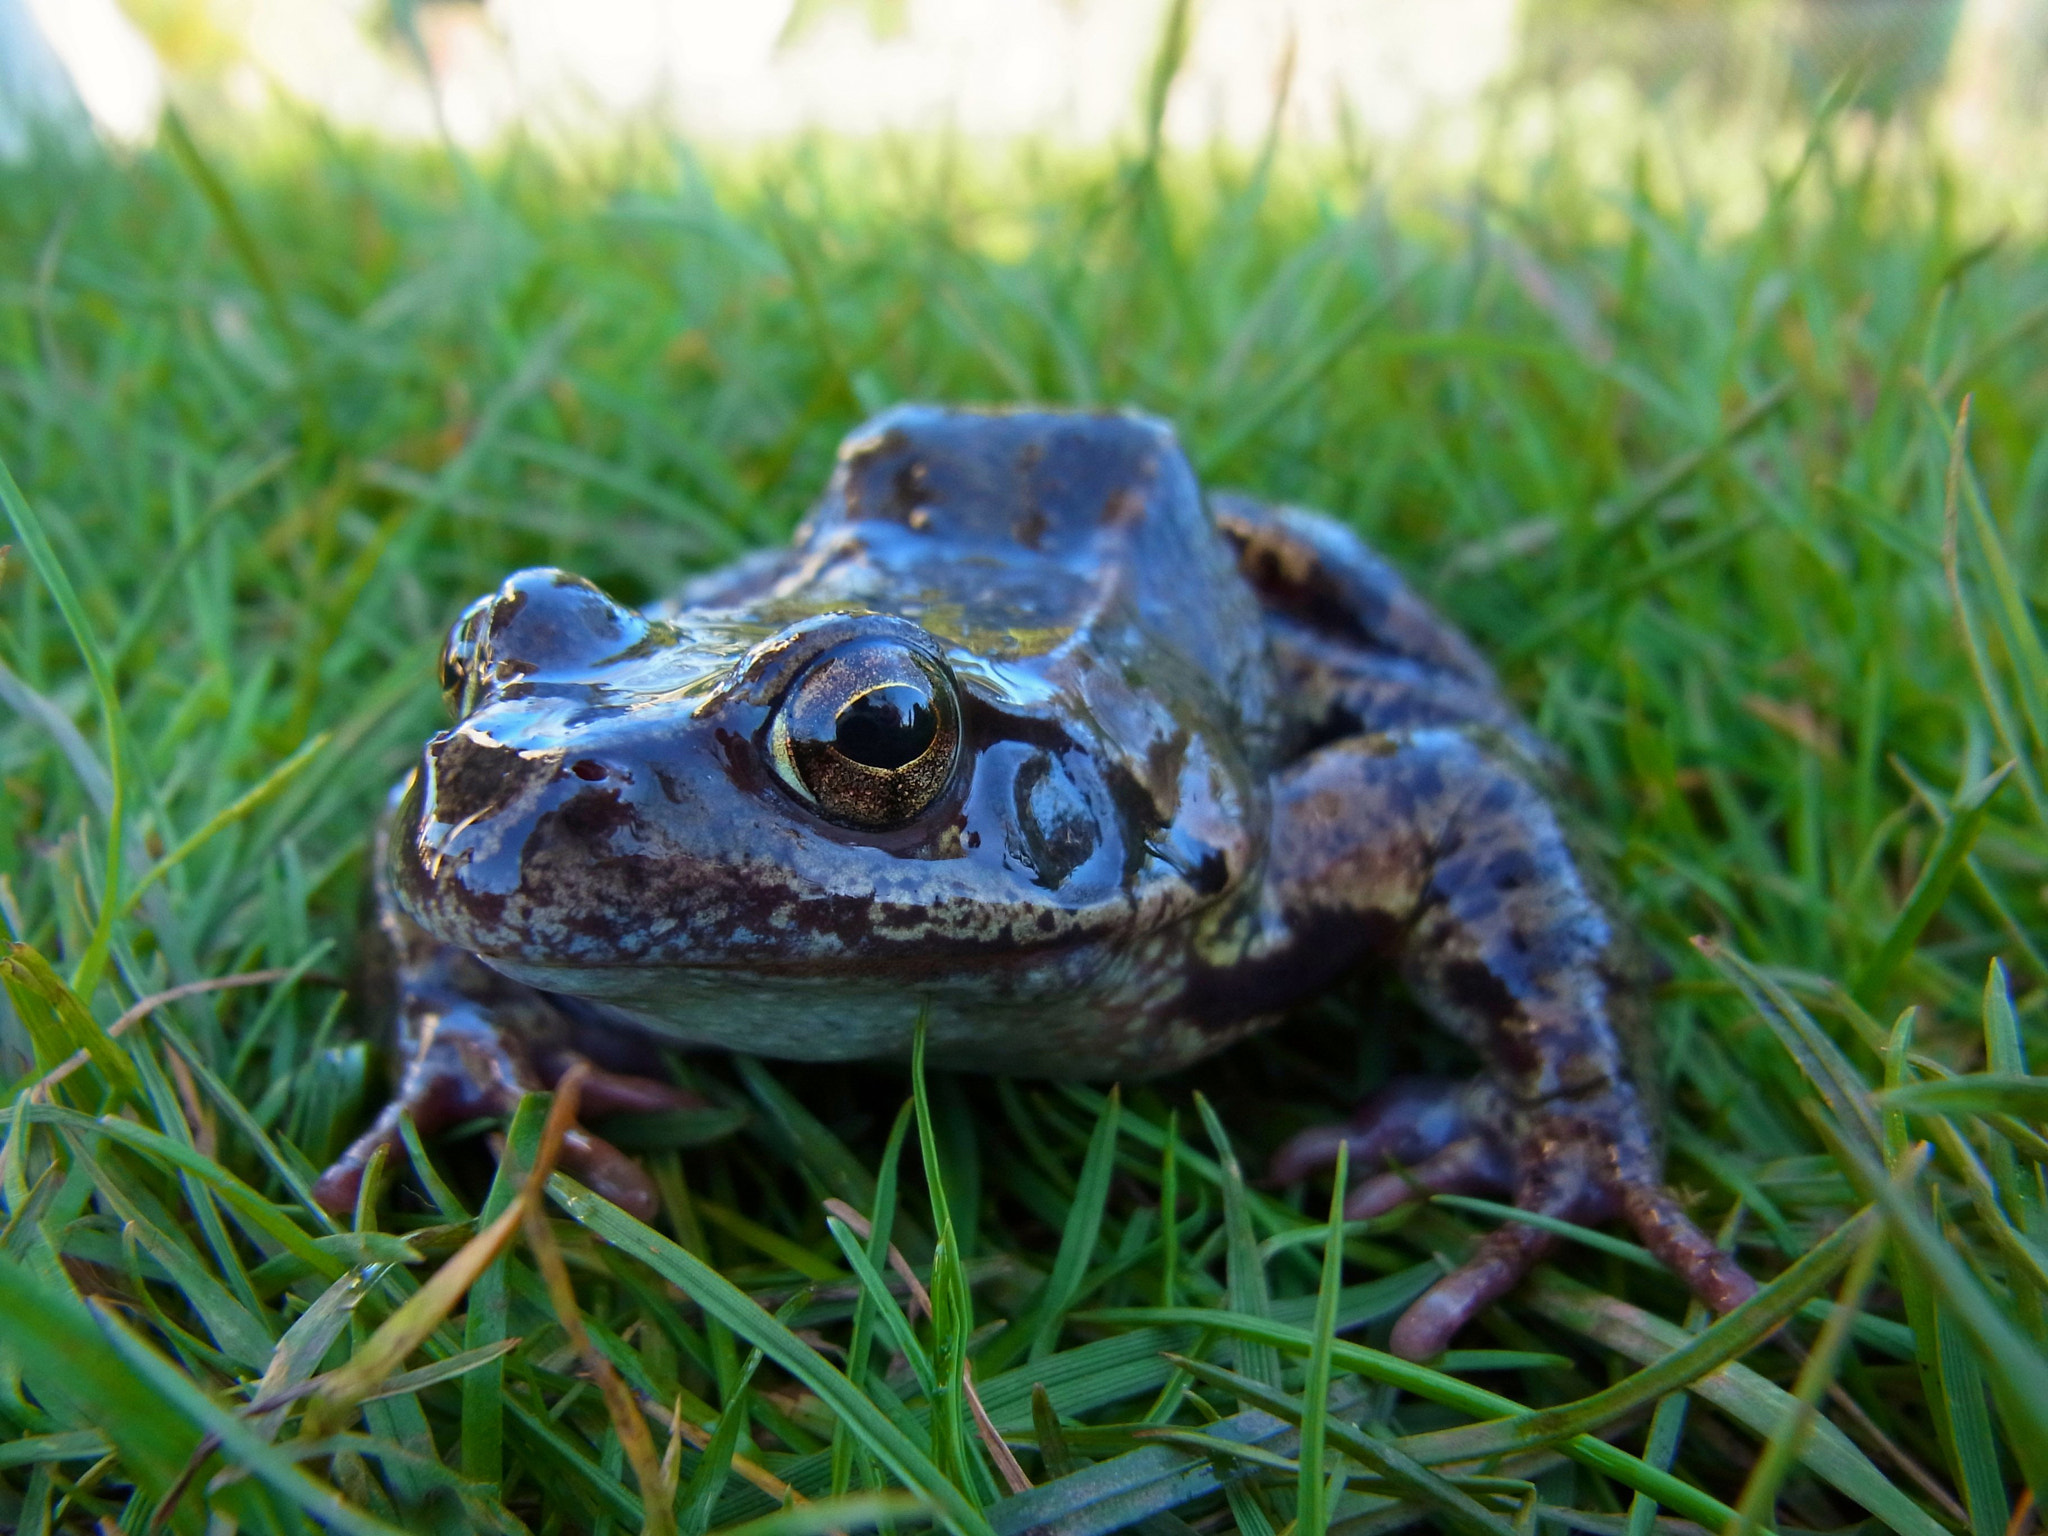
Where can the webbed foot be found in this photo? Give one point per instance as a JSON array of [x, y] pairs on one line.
[[1582, 1160]]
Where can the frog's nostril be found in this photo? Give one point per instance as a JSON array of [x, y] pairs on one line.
[[589, 769]]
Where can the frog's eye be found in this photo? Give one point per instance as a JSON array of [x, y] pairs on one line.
[[459, 657], [868, 734]]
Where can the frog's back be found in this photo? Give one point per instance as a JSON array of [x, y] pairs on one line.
[[1027, 537]]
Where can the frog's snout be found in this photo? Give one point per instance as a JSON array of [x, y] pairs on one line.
[[540, 622]]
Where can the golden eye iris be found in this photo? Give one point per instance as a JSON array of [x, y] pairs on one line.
[[868, 734]]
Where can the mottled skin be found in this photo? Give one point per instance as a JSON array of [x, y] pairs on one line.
[[1023, 733]]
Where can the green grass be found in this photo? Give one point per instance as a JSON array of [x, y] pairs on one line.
[[1697, 484]]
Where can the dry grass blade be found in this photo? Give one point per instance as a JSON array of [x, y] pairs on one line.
[[657, 1497], [407, 1328], [998, 1449], [920, 1298], [697, 1436]]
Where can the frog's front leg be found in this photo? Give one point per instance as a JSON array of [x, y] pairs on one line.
[[1426, 847], [471, 1042]]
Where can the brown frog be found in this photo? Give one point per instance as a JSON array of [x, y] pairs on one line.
[[1024, 735]]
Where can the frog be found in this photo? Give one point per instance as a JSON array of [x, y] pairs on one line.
[[1032, 749]]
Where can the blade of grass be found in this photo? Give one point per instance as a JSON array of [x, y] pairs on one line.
[[1760, 1492], [806, 1136], [1732, 1335], [239, 809], [1969, 1417], [2014, 623], [51, 1340], [1432, 1490], [1084, 1226], [657, 1498], [304, 1345], [236, 1330], [952, 1303], [1967, 813], [257, 1212], [1737, 1391], [28, 526], [878, 1250], [875, 1292], [1837, 1082], [263, 1461], [60, 1024], [1246, 1275], [144, 1007], [1169, 1212], [721, 1299], [1976, 1093], [1311, 1517], [1376, 1365], [848, 1512]]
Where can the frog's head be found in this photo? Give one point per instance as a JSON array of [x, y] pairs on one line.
[[862, 715], [623, 798]]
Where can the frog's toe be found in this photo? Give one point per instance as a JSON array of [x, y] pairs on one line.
[[1432, 1320], [1576, 1172], [1708, 1272], [622, 1093], [604, 1169], [468, 1069], [1410, 1121], [1564, 1188], [1473, 1165], [336, 1189], [595, 1162]]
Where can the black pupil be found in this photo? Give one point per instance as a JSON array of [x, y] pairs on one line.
[[886, 727]]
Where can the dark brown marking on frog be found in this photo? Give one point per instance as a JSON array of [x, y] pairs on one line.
[[1320, 951], [1476, 988], [1289, 584], [910, 488], [589, 817], [469, 777], [1123, 507]]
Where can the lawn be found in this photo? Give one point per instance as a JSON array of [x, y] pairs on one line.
[[1749, 502]]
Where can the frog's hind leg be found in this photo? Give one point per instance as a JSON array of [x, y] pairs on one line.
[[472, 1043], [1315, 572], [1354, 649], [1439, 853]]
